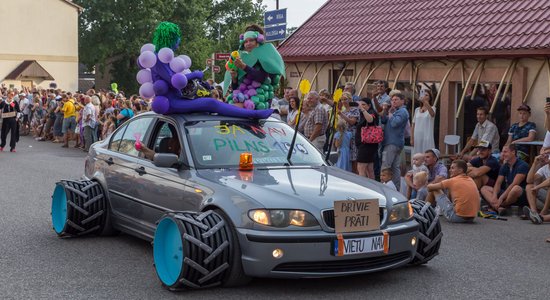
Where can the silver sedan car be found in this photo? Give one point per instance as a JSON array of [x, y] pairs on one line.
[[223, 200]]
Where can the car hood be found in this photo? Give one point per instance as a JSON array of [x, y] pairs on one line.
[[299, 187]]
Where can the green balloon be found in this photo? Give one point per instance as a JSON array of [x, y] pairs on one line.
[[260, 91], [267, 80], [271, 95], [277, 79], [230, 101], [262, 98], [255, 99], [261, 105], [265, 87], [270, 88], [230, 97]]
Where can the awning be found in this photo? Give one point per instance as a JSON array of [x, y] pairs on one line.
[[29, 69]]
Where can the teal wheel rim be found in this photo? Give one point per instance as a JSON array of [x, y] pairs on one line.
[[59, 209], [168, 251]]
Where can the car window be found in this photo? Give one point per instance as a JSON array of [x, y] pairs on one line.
[[218, 144], [165, 139], [136, 130], [117, 137]]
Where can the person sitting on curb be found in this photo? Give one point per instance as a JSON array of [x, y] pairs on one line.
[[464, 203], [484, 168], [437, 170], [510, 185], [538, 181], [420, 181]]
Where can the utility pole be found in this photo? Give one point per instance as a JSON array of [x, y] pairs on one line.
[[276, 7]]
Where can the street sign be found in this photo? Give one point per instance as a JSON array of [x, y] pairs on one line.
[[275, 17], [222, 56], [216, 69], [275, 33], [209, 61]]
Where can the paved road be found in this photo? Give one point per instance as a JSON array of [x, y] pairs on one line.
[[487, 260]]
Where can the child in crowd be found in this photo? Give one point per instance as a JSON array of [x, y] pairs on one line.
[[420, 181], [342, 142], [109, 125], [417, 166], [386, 176]]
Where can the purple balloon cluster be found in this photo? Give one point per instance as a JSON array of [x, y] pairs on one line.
[[253, 94], [178, 64]]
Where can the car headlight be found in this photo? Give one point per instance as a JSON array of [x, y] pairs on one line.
[[401, 212], [283, 217]]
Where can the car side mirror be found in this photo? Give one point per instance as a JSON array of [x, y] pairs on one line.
[[165, 160]]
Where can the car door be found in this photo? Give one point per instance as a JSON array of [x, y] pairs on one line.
[[121, 159], [164, 189]]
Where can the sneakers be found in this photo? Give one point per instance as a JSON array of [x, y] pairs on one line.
[[1, 149], [13, 150], [533, 216]]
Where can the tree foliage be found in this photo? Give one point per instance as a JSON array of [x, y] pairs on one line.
[[112, 31]]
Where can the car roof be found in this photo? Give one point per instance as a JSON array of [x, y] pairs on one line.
[[193, 117]]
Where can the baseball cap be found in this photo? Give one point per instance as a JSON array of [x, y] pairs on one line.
[[435, 152], [483, 144], [57, 97], [524, 107]]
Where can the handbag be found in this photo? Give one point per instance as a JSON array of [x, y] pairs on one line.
[[372, 134]]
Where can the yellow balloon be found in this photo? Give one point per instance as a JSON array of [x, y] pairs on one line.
[[305, 86], [337, 95]]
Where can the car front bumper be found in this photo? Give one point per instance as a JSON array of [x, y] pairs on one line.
[[307, 254]]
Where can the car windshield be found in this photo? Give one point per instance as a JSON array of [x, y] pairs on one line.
[[218, 144]]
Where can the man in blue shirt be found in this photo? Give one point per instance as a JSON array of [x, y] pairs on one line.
[[394, 136], [510, 185]]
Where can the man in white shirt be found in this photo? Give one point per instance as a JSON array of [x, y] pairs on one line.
[[484, 130], [89, 121], [24, 105]]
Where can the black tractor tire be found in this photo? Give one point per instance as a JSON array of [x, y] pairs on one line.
[[202, 250], [236, 276], [86, 208], [429, 235]]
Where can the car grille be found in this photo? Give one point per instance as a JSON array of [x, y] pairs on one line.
[[328, 216], [344, 265]]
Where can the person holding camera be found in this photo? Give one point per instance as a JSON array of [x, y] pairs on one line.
[[422, 130]]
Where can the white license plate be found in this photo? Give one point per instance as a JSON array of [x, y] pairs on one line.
[[353, 246]]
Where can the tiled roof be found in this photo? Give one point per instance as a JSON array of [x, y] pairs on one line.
[[420, 27]]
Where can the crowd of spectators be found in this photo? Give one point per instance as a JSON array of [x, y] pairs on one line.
[[482, 175], [71, 119]]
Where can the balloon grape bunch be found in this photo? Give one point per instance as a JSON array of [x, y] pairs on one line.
[[254, 94], [158, 88]]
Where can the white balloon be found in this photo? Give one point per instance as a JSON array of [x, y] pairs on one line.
[[144, 76], [166, 55], [187, 61], [177, 64], [147, 59], [148, 47]]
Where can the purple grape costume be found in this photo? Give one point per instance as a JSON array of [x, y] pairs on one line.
[[257, 82], [173, 87]]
